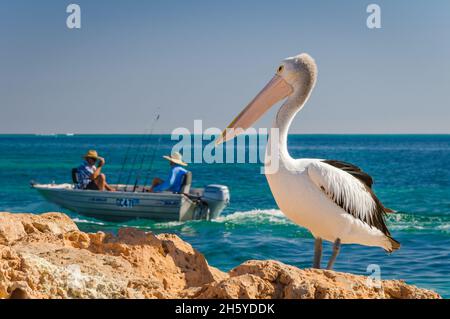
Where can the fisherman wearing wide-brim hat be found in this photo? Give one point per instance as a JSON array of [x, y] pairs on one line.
[[90, 176], [174, 181]]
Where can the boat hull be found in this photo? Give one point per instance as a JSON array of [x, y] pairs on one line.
[[122, 205]]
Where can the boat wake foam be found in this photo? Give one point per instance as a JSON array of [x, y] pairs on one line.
[[258, 216], [413, 222], [86, 221], [274, 217]]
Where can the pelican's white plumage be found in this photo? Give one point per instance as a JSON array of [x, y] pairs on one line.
[[340, 186], [316, 209], [333, 199]]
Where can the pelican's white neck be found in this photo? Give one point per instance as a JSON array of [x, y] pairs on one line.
[[293, 104]]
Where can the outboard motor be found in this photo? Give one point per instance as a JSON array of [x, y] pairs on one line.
[[217, 197]]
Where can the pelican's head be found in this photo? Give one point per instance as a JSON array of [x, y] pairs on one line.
[[293, 75], [298, 71]]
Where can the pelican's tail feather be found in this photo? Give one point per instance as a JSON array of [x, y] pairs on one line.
[[389, 210], [393, 243]]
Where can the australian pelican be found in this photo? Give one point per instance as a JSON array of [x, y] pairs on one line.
[[331, 198]]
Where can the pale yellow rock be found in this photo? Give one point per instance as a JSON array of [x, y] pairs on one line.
[[289, 282], [11, 229], [47, 256]]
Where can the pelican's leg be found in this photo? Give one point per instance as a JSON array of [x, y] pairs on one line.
[[336, 248], [317, 252]]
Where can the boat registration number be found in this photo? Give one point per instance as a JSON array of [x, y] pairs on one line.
[[127, 202]]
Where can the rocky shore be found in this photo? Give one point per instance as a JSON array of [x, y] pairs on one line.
[[47, 256]]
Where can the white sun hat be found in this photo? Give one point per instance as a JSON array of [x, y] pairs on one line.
[[175, 158]]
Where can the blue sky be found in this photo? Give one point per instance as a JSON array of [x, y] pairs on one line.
[[207, 59]]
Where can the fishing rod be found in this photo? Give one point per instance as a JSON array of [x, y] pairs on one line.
[[127, 155], [144, 156], [135, 160], [147, 177], [125, 160]]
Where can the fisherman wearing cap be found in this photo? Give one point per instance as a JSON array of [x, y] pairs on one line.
[[174, 181], [90, 176]]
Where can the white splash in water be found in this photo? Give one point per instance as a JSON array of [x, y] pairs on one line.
[[169, 224], [411, 222], [270, 216], [85, 221]]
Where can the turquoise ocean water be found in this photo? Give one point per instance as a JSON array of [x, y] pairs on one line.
[[411, 173]]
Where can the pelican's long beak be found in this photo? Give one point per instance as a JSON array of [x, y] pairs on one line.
[[276, 90]]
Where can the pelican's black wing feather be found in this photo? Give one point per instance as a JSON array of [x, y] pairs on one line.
[[352, 170]]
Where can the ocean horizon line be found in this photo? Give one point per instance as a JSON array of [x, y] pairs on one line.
[[169, 134]]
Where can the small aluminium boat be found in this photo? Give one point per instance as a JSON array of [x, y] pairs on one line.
[[132, 201], [124, 204]]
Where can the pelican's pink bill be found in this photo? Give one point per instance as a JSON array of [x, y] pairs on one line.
[[276, 90]]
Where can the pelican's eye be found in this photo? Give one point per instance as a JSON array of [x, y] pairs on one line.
[[280, 69]]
